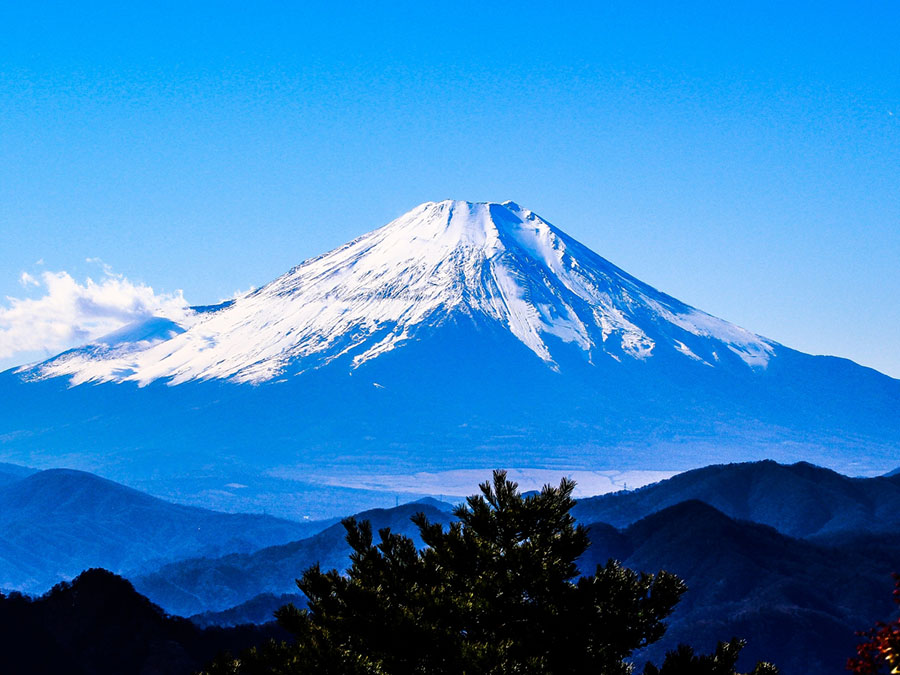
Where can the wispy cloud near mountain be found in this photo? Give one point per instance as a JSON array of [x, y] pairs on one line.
[[58, 311]]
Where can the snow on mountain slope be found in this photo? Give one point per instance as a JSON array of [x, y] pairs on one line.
[[442, 261]]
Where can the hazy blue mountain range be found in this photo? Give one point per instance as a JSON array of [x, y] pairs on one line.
[[459, 335], [798, 603], [215, 584], [257, 610], [58, 522], [797, 600], [800, 500], [11, 473]]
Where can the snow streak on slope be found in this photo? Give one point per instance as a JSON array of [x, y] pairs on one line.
[[444, 261]]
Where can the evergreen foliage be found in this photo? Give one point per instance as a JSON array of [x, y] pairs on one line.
[[723, 661], [497, 592]]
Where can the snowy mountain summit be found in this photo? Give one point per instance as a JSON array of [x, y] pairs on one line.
[[442, 262], [460, 335]]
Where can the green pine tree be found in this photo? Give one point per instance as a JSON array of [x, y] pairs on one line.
[[495, 593]]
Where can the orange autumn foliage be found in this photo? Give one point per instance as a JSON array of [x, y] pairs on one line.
[[881, 651]]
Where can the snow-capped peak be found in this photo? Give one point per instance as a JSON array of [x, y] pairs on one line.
[[441, 261]]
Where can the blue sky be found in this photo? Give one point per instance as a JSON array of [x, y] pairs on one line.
[[741, 157]]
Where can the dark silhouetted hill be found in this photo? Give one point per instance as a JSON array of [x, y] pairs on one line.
[[797, 603], [99, 625]]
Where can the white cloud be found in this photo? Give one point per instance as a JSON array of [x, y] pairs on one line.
[[69, 313], [28, 280]]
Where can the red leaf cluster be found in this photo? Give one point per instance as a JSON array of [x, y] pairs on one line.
[[880, 653]]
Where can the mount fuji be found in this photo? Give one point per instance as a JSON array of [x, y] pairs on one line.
[[459, 336], [441, 262]]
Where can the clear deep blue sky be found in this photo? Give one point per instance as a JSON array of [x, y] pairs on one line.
[[742, 157]]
